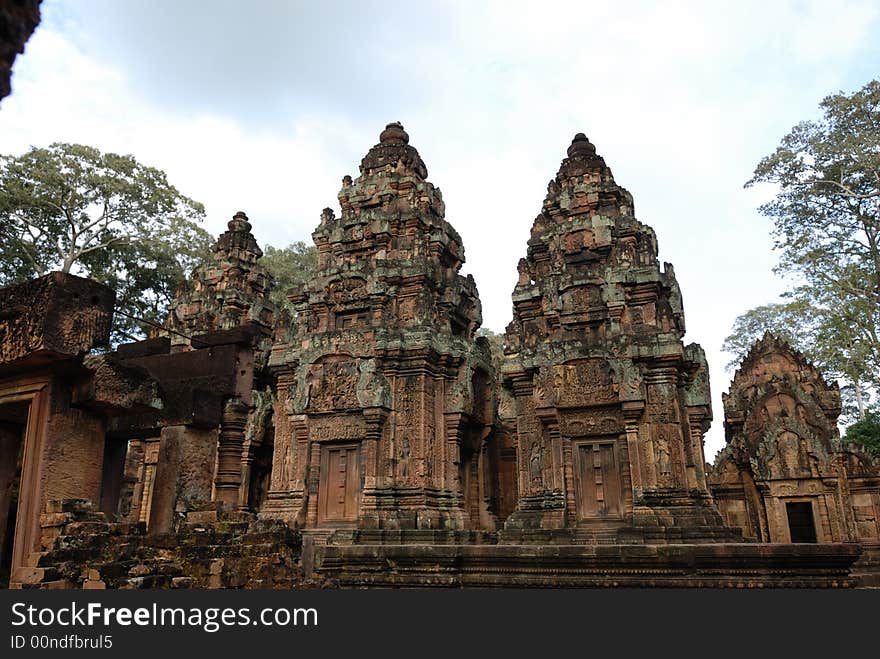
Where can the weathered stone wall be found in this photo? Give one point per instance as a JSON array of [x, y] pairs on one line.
[[47, 325], [382, 444], [51, 318]]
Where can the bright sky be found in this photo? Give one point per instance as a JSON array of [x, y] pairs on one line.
[[265, 106]]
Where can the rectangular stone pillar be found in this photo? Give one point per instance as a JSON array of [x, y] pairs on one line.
[[184, 474]]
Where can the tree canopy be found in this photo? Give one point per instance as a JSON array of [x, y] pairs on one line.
[[826, 227], [105, 216], [866, 431], [291, 266]]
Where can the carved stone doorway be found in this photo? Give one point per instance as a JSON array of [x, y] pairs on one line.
[[13, 420], [597, 476], [801, 525], [339, 484], [23, 413]]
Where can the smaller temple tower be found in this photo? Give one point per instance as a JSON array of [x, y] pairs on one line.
[[209, 361], [232, 291], [784, 475]]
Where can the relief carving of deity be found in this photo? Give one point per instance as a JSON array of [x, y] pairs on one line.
[[536, 466], [403, 456], [661, 445]]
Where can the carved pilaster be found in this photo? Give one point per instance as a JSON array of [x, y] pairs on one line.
[[632, 413], [452, 429], [229, 453]]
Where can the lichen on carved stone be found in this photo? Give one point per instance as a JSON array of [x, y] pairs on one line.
[[385, 331], [373, 389], [58, 315], [596, 336], [230, 291], [783, 447]]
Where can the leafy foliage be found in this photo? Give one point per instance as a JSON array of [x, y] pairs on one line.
[[292, 267], [792, 322], [72, 208], [866, 431], [826, 226]]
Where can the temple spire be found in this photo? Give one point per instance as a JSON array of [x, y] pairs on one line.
[[238, 243]]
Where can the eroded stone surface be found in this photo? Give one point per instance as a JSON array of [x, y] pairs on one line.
[[384, 397], [370, 438], [608, 405], [18, 19], [784, 474], [227, 293], [54, 317]]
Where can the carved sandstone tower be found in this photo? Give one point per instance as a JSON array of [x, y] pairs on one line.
[[229, 292], [784, 475], [382, 397], [608, 405], [220, 324]]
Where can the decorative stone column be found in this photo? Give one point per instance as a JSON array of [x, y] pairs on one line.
[[229, 453]]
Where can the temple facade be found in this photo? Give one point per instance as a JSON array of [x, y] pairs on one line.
[[367, 436], [784, 475]]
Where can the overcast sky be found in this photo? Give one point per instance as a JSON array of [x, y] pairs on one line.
[[265, 106]]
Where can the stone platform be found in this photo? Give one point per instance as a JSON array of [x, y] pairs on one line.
[[81, 549], [743, 565]]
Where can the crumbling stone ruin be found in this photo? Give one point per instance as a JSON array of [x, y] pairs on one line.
[[369, 437]]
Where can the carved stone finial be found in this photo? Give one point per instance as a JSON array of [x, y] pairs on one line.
[[394, 134], [239, 222], [581, 146]]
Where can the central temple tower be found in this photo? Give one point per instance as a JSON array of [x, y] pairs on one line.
[[384, 399]]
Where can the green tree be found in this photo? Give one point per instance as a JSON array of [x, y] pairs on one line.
[[826, 226], [866, 431], [72, 208], [292, 267], [820, 334]]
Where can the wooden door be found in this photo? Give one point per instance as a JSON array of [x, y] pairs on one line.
[[598, 481], [340, 483]]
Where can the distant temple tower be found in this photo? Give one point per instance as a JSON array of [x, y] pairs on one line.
[[608, 405], [231, 291], [784, 475], [384, 399]]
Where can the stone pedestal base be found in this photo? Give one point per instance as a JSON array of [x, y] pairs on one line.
[[523, 566], [411, 508], [544, 511], [287, 507]]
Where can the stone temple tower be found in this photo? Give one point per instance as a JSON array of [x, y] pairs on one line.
[[607, 404], [384, 399], [230, 291]]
